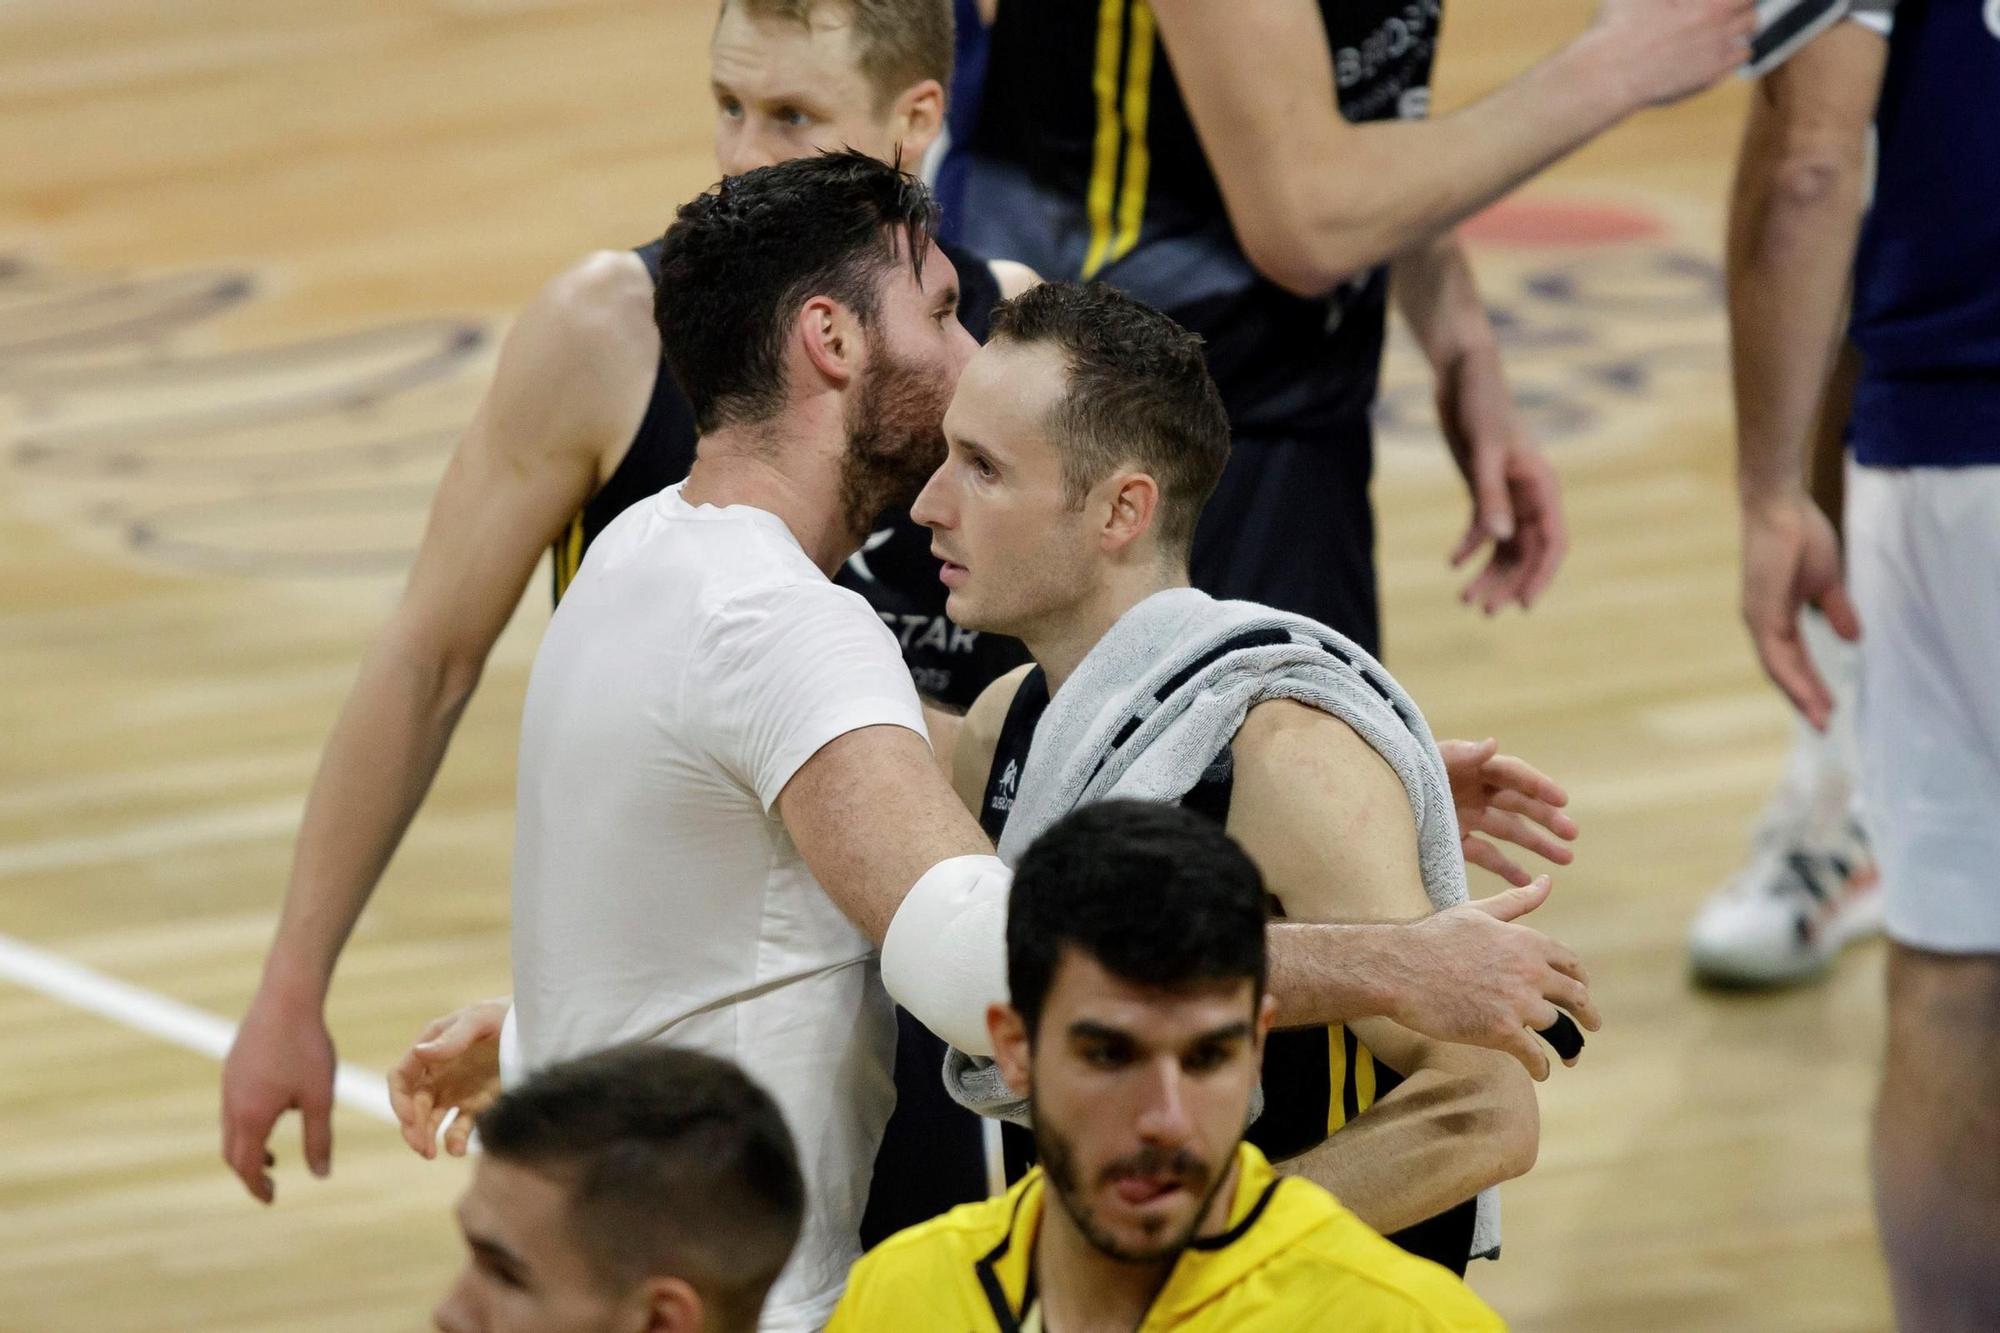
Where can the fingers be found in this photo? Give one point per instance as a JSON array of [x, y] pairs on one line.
[[243, 1138], [1518, 775], [1512, 904], [1541, 812], [1785, 660], [1469, 544], [318, 1117], [1545, 527], [1486, 856], [459, 1136], [1566, 992], [1563, 959], [458, 1033], [1525, 834], [1840, 613], [1521, 1044]]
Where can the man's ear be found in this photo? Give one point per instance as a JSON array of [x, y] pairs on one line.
[[830, 337], [1009, 1034], [918, 116], [1131, 509], [672, 1306]]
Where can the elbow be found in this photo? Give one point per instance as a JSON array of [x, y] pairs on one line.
[[1814, 177], [1290, 260], [1497, 1124], [1301, 245], [1513, 1123]]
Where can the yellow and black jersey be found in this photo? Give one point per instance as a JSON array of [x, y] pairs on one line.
[[1315, 1080], [894, 571], [1083, 163], [1291, 1260]]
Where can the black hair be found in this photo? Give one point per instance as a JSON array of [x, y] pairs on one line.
[[1155, 894], [1139, 393], [739, 260], [677, 1164]]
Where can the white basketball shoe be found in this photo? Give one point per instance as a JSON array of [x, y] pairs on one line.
[[1810, 886]]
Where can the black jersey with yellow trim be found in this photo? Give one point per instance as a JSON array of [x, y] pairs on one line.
[[1316, 1080], [894, 569], [1084, 164]]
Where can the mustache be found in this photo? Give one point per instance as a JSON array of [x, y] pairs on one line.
[[1177, 1163]]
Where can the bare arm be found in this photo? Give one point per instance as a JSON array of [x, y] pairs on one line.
[[1794, 214], [1329, 824], [1315, 199], [571, 384], [1516, 499]]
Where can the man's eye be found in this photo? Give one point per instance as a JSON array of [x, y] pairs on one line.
[[1103, 1057], [983, 469], [1205, 1060], [729, 106], [792, 117]]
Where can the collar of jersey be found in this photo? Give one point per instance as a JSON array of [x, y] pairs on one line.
[[1207, 1268]]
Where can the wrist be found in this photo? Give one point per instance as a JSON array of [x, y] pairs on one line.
[[1596, 68], [1375, 968], [292, 988]]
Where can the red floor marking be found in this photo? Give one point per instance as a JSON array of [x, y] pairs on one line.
[[1560, 222]]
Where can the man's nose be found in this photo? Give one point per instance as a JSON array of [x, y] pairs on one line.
[[929, 508], [454, 1313], [1163, 1115]]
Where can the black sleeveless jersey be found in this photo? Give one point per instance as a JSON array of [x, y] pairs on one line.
[[1085, 164], [894, 569], [1315, 1079]]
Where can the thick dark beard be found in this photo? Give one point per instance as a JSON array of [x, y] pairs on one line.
[[1059, 1164], [895, 440]]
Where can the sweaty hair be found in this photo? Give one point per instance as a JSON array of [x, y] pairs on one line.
[[677, 1165], [1139, 394], [898, 42], [1157, 895], [740, 260]]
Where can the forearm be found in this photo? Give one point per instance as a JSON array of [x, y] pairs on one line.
[[1385, 185], [1322, 975], [1438, 298], [1433, 1141], [1792, 228], [378, 765]]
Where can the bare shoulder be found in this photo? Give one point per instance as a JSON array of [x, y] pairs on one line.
[[606, 294], [989, 711], [979, 737], [1013, 277]]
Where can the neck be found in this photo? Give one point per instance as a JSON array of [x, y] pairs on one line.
[[788, 466], [1083, 1289], [1060, 644]]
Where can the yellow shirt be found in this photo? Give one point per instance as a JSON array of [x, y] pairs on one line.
[[1290, 1259]]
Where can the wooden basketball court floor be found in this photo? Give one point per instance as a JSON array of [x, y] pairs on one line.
[[253, 260]]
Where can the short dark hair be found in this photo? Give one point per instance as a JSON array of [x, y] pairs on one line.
[[677, 1165], [1139, 393], [898, 42], [1157, 895], [739, 260]]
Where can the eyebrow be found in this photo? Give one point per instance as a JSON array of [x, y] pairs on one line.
[[1087, 1030], [495, 1253]]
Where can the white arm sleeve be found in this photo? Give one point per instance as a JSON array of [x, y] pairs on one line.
[[944, 957]]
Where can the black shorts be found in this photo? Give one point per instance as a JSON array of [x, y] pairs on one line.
[[1290, 526], [933, 1156]]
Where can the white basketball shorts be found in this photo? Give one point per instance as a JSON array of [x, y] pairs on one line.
[[1923, 561]]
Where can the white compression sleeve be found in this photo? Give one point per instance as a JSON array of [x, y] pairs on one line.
[[944, 957]]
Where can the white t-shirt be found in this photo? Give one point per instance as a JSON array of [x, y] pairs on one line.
[[696, 662]]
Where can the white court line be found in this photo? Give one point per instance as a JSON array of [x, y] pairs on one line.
[[248, 822], [161, 1016]]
